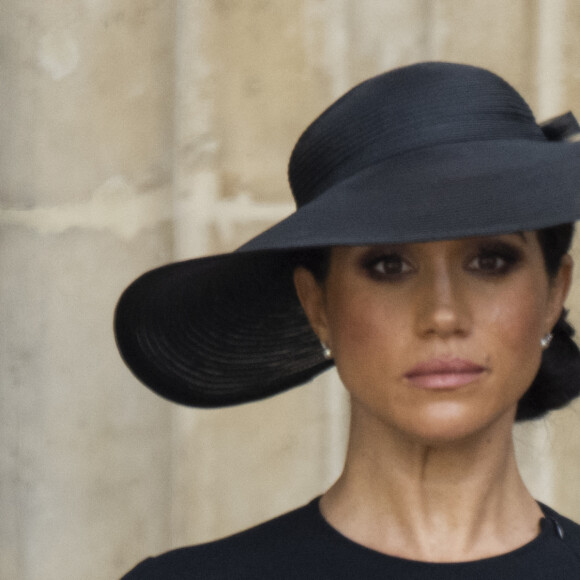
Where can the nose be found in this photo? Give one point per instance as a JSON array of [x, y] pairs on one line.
[[442, 304]]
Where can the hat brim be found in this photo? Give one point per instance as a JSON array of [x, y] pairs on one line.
[[217, 331], [229, 329], [445, 192]]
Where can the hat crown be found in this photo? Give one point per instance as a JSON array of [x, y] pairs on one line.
[[409, 108]]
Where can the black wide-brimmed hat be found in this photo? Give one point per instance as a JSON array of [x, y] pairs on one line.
[[426, 152]]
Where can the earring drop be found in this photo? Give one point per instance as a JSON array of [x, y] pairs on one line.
[[546, 340], [326, 352]]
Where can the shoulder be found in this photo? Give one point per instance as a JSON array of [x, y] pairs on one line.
[[258, 552], [566, 529]]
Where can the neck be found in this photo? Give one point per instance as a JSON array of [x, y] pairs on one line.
[[451, 501]]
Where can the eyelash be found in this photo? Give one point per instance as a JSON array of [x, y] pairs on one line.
[[372, 263], [506, 254], [505, 258]]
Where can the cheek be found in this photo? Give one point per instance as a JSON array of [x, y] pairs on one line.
[[353, 322], [513, 328], [374, 336], [366, 335], [518, 318]]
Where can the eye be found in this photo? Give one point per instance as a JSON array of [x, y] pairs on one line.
[[488, 263], [495, 261], [387, 266]]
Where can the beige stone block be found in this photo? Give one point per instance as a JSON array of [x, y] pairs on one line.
[[571, 57], [566, 450], [385, 35], [245, 464], [266, 86], [88, 87], [547, 452], [237, 221], [494, 34], [84, 457]]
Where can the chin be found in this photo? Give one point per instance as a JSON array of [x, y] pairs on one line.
[[449, 424]]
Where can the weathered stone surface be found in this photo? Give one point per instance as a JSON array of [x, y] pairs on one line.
[[570, 56], [84, 206], [138, 132], [400, 35], [498, 35], [89, 86], [559, 91], [267, 85], [248, 463], [84, 457]]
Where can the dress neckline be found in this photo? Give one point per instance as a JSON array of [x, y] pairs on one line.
[[550, 529]]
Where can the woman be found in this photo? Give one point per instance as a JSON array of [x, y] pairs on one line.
[[427, 259]]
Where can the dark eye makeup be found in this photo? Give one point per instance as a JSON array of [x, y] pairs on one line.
[[495, 258], [385, 265], [485, 258]]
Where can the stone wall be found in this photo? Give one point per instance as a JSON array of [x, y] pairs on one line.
[[137, 132]]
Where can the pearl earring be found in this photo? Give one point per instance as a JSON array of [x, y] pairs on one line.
[[326, 352], [546, 340]]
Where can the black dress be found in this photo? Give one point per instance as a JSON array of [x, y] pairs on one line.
[[301, 545]]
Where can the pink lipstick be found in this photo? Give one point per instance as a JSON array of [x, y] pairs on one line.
[[444, 373]]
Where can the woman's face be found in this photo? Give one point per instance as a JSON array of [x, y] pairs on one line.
[[436, 340]]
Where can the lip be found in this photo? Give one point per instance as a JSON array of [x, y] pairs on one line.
[[442, 374]]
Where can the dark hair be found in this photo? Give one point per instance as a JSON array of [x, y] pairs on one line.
[[558, 379]]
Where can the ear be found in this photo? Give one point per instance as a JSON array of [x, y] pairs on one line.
[[559, 287], [312, 298]]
